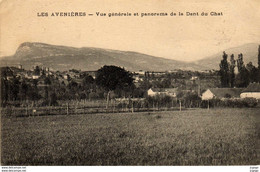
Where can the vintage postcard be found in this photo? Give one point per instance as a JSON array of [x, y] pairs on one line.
[[129, 83]]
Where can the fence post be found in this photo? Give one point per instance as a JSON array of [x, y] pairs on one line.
[[180, 105], [114, 106], [27, 111], [67, 108], [132, 106], [50, 110], [75, 109], [12, 111]]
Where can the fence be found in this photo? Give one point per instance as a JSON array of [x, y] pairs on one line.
[[124, 105], [83, 107]]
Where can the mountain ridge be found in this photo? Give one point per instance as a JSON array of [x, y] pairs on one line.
[[59, 57]]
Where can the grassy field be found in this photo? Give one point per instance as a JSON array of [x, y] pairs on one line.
[[193, 137]]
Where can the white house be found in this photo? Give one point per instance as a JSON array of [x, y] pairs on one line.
[[162, 91], [252, 91], [207, 95], [153, 91], [36, 76], [221, 93]]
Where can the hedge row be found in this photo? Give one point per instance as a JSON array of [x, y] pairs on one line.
[[239, 103]]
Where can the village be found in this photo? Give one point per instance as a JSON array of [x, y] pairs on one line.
[[191, 89], [151, 83]]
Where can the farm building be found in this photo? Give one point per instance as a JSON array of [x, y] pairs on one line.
[[252, 91], [162, 91], [221, 93]]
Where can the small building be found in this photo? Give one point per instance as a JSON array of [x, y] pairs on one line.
[[221, 93], [194, 78], [162, 91], [20, 66], [36, 76], [140, 72], [154, 91], [252, 91], [66, 76]]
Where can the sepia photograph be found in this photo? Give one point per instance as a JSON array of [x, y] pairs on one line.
[[130, 83]]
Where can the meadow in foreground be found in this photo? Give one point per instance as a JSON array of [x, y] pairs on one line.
[[193, 137]]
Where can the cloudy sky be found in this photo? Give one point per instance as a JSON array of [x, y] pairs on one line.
[[180, 38]]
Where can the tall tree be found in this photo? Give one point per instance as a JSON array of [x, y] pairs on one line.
[[37, 70], [252, 72], [242, 79], [113, 77], [87, 82], [240, 63], [224, 71], [232, 70]]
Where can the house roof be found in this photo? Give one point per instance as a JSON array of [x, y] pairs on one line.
[[252, 87], [169, 90], [222, 92], [157, 89]]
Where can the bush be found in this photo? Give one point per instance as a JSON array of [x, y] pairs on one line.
[[123, 105], [250, 102], [191, 100], [211, 103], [235, 103], [159, 101], [93, 95], [227, 95]]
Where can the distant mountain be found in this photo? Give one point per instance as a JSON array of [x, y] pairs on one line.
[[64, 58], [249, 51]]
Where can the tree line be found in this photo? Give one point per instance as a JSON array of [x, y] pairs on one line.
[[234, 72], [111, 81]]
